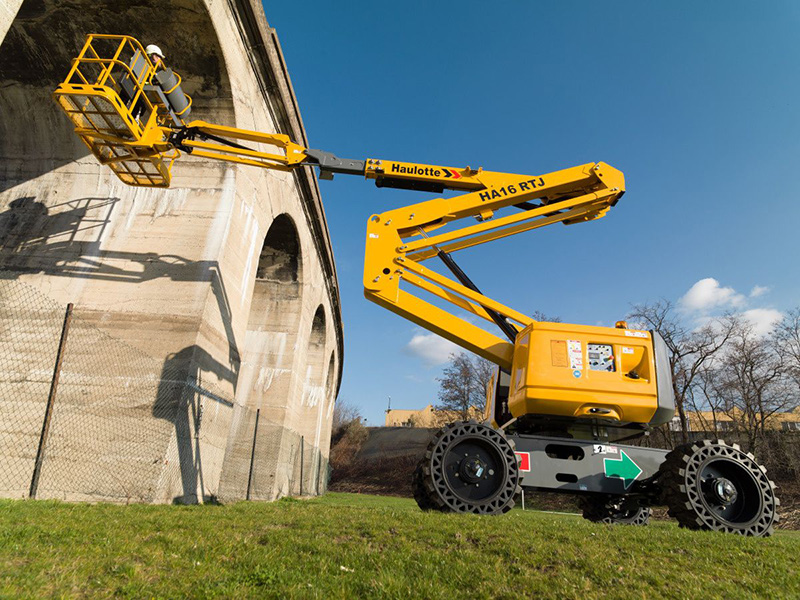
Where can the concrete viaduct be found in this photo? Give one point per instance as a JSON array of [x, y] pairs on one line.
[[226, 280]]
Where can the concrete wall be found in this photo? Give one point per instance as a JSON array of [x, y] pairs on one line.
[[226, 278]]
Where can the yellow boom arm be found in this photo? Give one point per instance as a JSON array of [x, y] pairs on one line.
[[136, 124], [400, 240]]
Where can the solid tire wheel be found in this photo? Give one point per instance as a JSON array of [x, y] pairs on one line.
[[468, 467], [418, 489], [613, 511], [716, 486]]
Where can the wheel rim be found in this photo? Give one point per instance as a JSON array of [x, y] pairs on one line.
[[473, 469], [614, 510], [727, 490], [620, 511], [730, 492]]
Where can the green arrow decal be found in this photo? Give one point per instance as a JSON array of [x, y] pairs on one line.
[[624, 468]]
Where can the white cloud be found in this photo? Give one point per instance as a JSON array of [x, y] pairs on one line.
[[708, 293], [762, 319], [707, 299], [431, 348]]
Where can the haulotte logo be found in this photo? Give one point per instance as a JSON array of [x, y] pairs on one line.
[[425, 171]]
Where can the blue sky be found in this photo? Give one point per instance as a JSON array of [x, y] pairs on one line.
[[695, 102]]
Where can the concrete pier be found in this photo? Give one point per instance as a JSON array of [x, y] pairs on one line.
[[226, 280]]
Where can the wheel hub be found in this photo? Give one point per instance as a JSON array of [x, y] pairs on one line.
[[472, 469], [724, 491]]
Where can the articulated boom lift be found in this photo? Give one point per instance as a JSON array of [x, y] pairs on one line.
[[563, 395]]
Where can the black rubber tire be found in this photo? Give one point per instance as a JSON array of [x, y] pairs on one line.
[[604, 509], [434, 488], [753, 513], [418, 489]]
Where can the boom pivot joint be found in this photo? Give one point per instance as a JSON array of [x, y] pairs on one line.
[[329, 164]]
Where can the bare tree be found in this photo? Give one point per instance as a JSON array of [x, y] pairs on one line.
[[705, 398], [689, 351], [787, 342], [540, 316], [752, 381], [463, 384], [344, 413]]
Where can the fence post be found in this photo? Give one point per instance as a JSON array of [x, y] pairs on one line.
[[302, 460], [51, 398], [252, 455], [319, 468]]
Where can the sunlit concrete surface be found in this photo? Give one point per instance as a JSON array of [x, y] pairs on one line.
[[226, 280]]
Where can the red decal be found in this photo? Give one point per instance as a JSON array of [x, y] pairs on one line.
[[455, 173], [524, 459]]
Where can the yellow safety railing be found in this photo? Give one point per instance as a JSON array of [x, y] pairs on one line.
[[109, 96]]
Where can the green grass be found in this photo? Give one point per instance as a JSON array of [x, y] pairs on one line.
[[350, 546]]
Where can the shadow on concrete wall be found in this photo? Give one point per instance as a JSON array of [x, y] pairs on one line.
[[28, 224], [67, 243], [183, 399]]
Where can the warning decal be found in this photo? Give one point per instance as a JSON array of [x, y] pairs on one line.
[[524, 460], [602, 449], [639, 334], [558, 353], [575, 350]]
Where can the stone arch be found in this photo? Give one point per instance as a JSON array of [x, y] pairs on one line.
[[272, 325], [315, 366], [330, 377], [313, 417]]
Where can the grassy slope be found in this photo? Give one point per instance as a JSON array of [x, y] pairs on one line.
[[346, 546]]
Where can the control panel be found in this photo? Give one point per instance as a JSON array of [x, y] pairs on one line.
[[601, 357]]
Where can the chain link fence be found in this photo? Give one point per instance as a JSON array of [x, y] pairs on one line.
[[108, 422]]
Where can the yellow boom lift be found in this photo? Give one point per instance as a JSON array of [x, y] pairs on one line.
[[563, 395]]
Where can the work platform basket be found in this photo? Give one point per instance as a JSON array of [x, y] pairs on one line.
[[112, 96]]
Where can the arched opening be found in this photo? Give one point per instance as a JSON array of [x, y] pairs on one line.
[[326, 416], [264, 386], [312, 410], [269, 345], [330, 401], [279, 261], [314, 394], [329, 378]]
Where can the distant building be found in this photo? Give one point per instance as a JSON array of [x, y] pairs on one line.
[[696, 420], [707, 420], [427, 417]]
